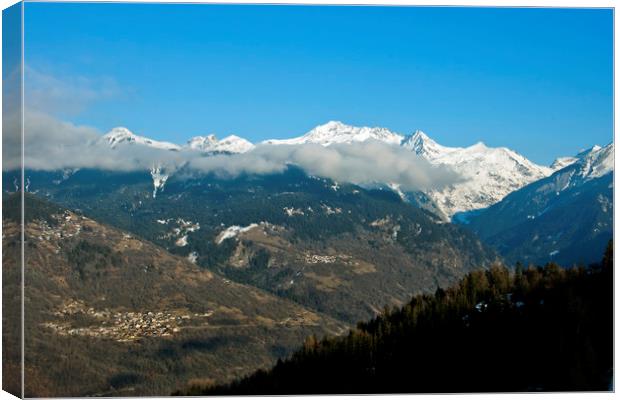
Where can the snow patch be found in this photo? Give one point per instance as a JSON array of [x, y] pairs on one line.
[[290, 211], [233, 231], [192, 257], [159, 179], [396, 188], [182, 241], [330, 211]]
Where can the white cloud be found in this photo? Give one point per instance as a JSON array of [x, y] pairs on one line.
[[364, 163], [45, 92], [52, 144]]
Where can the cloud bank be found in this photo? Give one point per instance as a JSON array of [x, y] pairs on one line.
[[365, 163], [54, 145]]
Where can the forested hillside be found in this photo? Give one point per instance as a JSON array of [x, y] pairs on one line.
[[335, 248], [539, 329], [109, 314]]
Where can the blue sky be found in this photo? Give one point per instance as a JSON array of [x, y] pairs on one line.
[[535, 80]]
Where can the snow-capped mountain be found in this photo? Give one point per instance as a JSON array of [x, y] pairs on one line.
[[201, 143], [424, 146], [210, 144], [596, 162], [588, 165], [562, 162], [335, 132], [489, 174], [120, 135], [561, 216]]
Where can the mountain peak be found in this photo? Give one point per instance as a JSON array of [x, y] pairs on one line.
[[210, 144], [596, 162], [586, 158], [562, 162], [119, 131], [418, 141], [197, 142], [235, 144], [118, 135], [420, 135], [421, 144], [479, 146], [121, 135], [333, 125], [336, 132]]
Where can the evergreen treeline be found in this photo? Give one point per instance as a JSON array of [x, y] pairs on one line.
[[535, 329]]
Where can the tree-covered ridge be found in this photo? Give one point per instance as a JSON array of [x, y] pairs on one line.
[[335, 248], [538, 329]]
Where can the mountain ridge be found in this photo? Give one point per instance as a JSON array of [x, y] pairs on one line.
[[487, 174], [550, 217]]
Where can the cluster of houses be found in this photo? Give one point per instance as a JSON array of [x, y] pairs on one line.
[[121, 326]]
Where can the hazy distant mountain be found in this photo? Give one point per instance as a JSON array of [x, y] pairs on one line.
[[567, 216]]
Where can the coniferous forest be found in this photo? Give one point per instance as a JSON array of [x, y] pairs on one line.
[[535, 329]]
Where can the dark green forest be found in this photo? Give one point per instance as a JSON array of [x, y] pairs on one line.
[[535, 329]]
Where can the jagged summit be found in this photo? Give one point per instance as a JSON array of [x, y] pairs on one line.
[[121, 135], [235, 144], [421, 144], [231, 144], [210, 144], [595, 163], [336, 132], [562, 162], [118, 135], [200, 142], [487, 174]]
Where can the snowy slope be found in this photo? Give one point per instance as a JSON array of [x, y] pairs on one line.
[[489, 174], [210, 144], [562, 162], [562, 217], [123, 136], [424, 146], [590, 164], [335, 132], [231, 144]]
